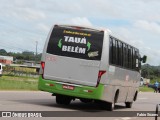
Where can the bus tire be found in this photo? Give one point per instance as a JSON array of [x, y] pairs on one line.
[[135, 96], [61, 99], [106, 105], [128, 104], [110, 106]]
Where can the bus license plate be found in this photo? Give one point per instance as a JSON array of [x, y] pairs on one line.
[[68, 87]]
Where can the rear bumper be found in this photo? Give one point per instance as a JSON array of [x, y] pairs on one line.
[[79, 91]]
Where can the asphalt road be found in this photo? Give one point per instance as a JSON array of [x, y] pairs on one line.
[[43, 101]]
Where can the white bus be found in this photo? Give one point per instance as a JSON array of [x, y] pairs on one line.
[[89, 64]]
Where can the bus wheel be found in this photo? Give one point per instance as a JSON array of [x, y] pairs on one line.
[[110, 106], [61, 99], [128, 104], [107, 106]]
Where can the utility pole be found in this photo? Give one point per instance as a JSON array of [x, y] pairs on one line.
[[148, 74], [36, 52]]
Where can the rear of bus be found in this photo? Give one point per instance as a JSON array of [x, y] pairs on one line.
[[1, 69], [70, 64]]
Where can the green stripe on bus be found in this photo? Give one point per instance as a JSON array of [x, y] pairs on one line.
[[79, 92]]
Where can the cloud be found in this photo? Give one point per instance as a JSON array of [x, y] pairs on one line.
[[152, 55], [141, 40], [149, 26], [27, 14], [81, 21], [33, 14], [21, 9], [135, 21], [43, 27], [77, 21]]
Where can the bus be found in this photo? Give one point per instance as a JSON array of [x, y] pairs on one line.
[[1, 69], [89, 64]]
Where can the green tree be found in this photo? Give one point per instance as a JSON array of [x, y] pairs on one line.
[[3, 52]]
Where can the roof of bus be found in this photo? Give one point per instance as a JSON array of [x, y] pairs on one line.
[[83, 26], [96, 29]]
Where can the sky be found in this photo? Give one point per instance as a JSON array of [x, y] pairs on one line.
[[23, 22]]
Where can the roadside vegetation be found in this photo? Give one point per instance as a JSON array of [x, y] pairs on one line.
[[31, 83], [19, 57], [145, 89], [151, 72], [18, 83], [16, 78]]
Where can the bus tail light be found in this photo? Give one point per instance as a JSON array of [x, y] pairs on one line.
[[78, 28], [42, 65], [101, 72]]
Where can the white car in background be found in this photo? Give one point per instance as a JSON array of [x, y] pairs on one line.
[[1, 69]]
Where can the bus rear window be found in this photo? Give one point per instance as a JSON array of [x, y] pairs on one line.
[[76, 43]]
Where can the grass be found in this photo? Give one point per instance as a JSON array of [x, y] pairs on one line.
[[145, 89], [30, 83], [153, 81], [18, 83]]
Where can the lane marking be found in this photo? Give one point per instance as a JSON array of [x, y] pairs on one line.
[[126, 118], [142, 98]]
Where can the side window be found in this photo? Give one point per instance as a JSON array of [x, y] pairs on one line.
[[133, 59], [124, 55], [122, 58], [139, 62], [114, 51], [110, 51], [139, 57], [117, 53], [120, 53], [129, 58], [136, 60]]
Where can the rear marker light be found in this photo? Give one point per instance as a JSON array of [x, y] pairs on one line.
[[89, 91], [51, 85]]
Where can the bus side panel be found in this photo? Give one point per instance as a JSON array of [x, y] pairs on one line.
[[125, 81], [108, 93], [131, 94], [122, 93]]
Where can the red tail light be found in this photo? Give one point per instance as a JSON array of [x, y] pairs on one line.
[[42, 65], [101, 72]]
